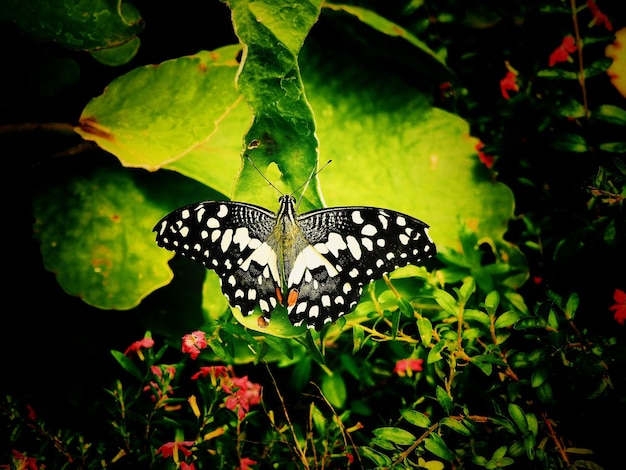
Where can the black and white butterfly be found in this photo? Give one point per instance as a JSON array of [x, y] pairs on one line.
[[315, 263]]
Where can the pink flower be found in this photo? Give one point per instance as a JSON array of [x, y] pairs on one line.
[[212, 371], [508, 83], [171, 449], [194, 342], [244, 463], [408, 366], [145, 343], [599, 18], [619, 308], [243, 394], [561, 53]]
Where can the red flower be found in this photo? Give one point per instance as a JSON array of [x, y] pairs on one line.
[[145, 343], [213, 371], [485, 159], [31, 413], [508, 83], [408, 366], [194, 342], [21, 462], [171, 449], [244, 463], [561, 53], [619, 308], [186, 466], [598, 17], [243, 395]]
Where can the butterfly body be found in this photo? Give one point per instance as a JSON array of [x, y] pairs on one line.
[[315, 264]]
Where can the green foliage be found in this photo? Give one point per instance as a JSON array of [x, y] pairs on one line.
[[464, 363]]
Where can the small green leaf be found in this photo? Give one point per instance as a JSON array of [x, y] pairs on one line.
[[570, 143], [381, 460], [446, 301], [397, 435], [455, 425], [492, 300], [507, 319], [519, 417], [444, 399], [127, 364], [334, 389], [435, 444], [477, 316], [613, 147], [611, 114], [416, 418], [425, 328]]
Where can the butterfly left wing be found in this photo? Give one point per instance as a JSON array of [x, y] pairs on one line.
[[230, 238], [352, 246]]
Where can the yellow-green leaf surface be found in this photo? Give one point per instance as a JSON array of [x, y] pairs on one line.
[[95, 234], [85, 25], [154, 115], [391, 148]]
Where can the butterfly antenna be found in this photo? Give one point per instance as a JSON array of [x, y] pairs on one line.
[[314, 173], [261, 173]]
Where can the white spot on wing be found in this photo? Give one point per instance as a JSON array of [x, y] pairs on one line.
[[369, 230], [356, 217], [354, 247], [223, 212]]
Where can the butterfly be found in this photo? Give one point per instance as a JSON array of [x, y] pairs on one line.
[[315, 264]]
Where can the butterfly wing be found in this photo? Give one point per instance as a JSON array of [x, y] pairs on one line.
[[230, 238], [361, 244]]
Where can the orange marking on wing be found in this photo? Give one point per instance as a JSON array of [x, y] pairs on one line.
[[279, 295], [292, 298]]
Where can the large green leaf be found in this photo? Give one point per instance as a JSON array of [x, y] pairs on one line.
[[283, 129], [95, 233], [86, 25], [148, 120], [391, 148]]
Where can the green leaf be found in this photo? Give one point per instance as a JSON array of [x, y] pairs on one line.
[[128, 365], [334, 389], [569, 142], [519, 418], [425, 328], [84, 25], [396, 435], [477, 316], [507, 319], [96, 235], [434, 354], [282, 132], [416, 418], [385, 26], [447, 302], [444, 399], [611, 114], [613, 147], [435, 444], [381, 460], [390, 148], [190, 119], [119, 55], [492, 300], [455, 425]]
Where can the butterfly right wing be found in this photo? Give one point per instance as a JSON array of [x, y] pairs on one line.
[[230, 238]]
